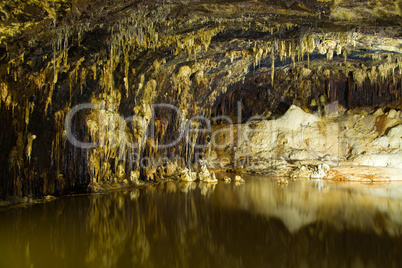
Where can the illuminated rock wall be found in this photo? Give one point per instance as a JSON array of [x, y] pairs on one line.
[[200, 56]]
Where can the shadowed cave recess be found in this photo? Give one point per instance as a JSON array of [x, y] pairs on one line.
[[325, 75]]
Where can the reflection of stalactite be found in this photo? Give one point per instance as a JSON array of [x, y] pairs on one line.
[[109, 232]]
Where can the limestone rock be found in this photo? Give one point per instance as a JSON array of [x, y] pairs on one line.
[[282, 181], [296, 135], [302, 172], [134, 176], [120, 172], [187, 175], [170, 169], [392, 141], [305, 72], [226, 179], [310, 172], [334, 109], [302, 155], [320, 172], [206, 176], [378, 112], [379, 160], [296, 117], [239, 179], [392, 114]]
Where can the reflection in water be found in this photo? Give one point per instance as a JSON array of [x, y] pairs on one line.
[[259, 223]]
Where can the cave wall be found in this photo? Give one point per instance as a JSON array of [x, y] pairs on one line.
[[200, 56]]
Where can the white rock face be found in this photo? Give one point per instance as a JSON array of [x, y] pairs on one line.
[[392, 141], [296, 117], [360, 136], [296, 135], [392, 114], [384, 151], [380, 160], [302, 155]]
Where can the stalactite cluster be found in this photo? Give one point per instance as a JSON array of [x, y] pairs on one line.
[[200, 57]]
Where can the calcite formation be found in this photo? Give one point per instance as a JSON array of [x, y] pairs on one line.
[[203, 57]]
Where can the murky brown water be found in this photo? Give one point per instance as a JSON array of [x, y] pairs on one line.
[[256, 224]]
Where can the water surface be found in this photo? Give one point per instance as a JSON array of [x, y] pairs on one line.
[[256, 224]]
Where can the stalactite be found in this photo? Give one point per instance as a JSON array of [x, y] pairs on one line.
[[126, 68], [231, 55], [83, 76], [330, 54], [282, 51], [299, 52], [156, 65], [59, 123], [293, 53], [30, 138], [8, 102], [257, 53], [345, 55], [94, 71], [49, 99], [189, 43], [149, 93], [272, 64], [339, 49], [3, 92], [206, 40], [359, 76], [29, 106]]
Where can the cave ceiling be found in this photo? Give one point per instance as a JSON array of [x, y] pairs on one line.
[[277, 50]]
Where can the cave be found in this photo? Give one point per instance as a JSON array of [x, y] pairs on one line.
[[203, 133]]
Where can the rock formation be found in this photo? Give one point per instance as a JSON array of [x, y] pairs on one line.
[[79, 81]]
